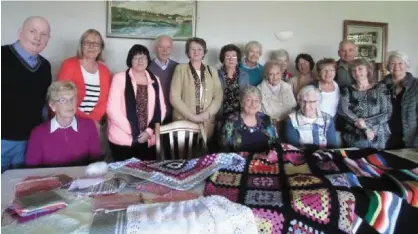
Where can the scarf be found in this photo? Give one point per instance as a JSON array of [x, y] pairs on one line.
[[130, 102], [198, 84]]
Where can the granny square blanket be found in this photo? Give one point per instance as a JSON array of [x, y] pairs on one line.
[[359, 191], [179, 174]]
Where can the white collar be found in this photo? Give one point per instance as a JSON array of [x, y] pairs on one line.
[[55, 125], [303, 120]]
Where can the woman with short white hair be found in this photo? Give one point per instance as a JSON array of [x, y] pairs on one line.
[[253, 51], [278, 98], [249, 130], [66, 139], [282, 56], [309, 127], [404, 92]]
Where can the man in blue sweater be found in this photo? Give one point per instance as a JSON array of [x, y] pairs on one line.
[[163, 67], [25, 76]]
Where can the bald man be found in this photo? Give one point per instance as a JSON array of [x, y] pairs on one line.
[[26, 76], [163, 67], [347, 52]]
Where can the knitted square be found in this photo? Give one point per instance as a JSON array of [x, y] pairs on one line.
[[294, 157], [297, 169], [328, 166], [263, 182], [231, 193], [314, 204], [225, 178], [268, 221], [297, 227], [347, 203], [411, 192], [263, 198], [344, 180], [259, 166], [302, 180]]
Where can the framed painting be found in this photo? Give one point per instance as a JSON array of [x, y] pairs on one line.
[[149, 19], [370, 38]]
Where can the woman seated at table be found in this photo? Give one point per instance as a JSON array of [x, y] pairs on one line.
[[136, 104], [65, 140], [365, 109], [309, 127], [249, 130], [277, 96]]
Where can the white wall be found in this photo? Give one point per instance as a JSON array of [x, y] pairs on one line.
[[318, 26]]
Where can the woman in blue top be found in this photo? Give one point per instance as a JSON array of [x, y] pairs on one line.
[[253, 51], [309, 127]]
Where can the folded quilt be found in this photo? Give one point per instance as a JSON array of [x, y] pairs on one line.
[[34, 185], [108, 186], [116, 202], [178, 174], [38, 203], [359, 191]]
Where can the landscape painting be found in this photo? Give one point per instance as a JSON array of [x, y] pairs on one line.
[[150, 19]]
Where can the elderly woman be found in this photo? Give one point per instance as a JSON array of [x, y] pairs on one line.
[[65, 140], [404, 92], [277, 96], [309, 127], [232, 80], [253, 51], [365, 109], [136, 104], [330, 92], [249, 130], [196, 92], [90, 75], [282, 56], [304, 65]]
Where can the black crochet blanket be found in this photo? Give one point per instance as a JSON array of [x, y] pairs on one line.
[[359, 191]]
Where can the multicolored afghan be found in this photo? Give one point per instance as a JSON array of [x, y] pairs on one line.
[[179, 174], [359, 191]]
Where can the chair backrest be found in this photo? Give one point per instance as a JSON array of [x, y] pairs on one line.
[[185, 133]]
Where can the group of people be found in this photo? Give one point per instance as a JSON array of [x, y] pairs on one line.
[[243, 105]]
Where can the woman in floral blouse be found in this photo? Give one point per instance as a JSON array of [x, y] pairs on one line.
[[249, 130]]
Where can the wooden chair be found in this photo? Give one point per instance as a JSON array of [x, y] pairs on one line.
[[186, 133]]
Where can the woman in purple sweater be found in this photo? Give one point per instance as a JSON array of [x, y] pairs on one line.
[[65, 140]]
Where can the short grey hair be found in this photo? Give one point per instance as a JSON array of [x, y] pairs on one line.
[[397, 54], [251, 44], [275, 55], [157, 40], [308, 90], [248, 89], [57, 87]]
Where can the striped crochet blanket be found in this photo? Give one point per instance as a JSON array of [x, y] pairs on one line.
[[360, 191]]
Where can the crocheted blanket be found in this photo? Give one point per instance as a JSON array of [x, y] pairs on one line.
[[178, 174], [360, 191]]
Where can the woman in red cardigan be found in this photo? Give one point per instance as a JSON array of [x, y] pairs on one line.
[[90, 75]]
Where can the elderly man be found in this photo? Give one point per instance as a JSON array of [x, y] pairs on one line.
[[163, 67], [26, 76], [347, 52]]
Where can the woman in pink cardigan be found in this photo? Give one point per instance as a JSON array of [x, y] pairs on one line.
[[135, 105]]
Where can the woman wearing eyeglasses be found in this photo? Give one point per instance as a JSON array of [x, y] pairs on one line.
[[65, 140], [90, 75], [136, 103], [330, 92]]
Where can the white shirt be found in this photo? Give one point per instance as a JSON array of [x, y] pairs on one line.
[[92, 81], [329, 101], [161, 64], [55, 125]]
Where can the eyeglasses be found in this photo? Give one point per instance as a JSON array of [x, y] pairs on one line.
[[91, 44], [65, 100], [305, 102], [327, 70], [140, 58], [231, 57]]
